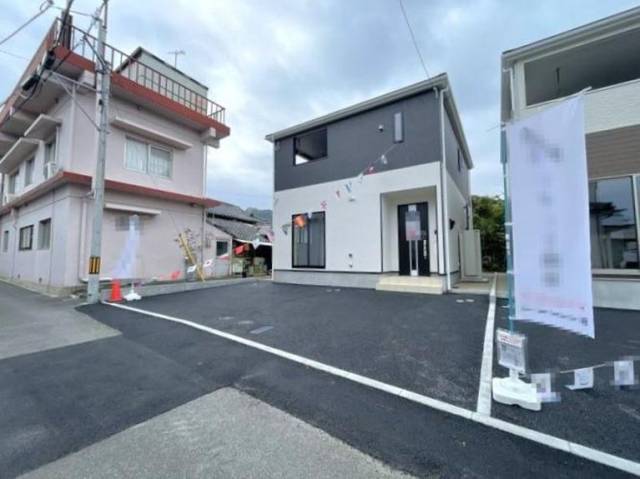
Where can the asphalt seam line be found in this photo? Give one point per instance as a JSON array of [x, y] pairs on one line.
[[484, 390], [548, 440]]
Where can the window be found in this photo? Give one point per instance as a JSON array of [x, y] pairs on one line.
[[308, 240], [614, 241], [310, 146], [26, 238], [222, 248], [159, 162], [398, 128], [123, 222], [28, 172], [49, 156], [146, 158], [459, 161], [44, 234], [5, 241], [13, 180], [136, 155]]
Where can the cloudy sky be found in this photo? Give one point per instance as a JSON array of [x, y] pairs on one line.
[[273, 64]]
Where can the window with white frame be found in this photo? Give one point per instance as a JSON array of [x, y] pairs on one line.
[[28, 172], [614, 221], [44, 234], [222, 248], [147, 158], [5, 241], [26, 238]]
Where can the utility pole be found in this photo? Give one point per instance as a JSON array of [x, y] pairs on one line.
[[103, 82]]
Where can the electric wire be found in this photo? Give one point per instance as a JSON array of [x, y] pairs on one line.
[[413, 39], [44, 7]]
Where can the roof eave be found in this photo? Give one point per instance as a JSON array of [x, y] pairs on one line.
[[438, 81]]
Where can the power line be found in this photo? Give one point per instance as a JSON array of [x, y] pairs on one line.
[[44, 6], [413, 39], [14, 55]]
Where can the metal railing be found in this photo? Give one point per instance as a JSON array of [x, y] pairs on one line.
[[85, 45]]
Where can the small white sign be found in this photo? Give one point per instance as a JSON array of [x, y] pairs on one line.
[[191, 268], [512, 350], [208, 263], [582, 379], [543, 385], [623, 373]]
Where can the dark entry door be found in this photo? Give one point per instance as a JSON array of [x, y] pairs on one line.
[[413, 239]]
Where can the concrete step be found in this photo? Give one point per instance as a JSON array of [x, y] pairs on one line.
[[411, 284]]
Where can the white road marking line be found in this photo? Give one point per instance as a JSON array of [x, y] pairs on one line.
[[560, 444], [484, 390]]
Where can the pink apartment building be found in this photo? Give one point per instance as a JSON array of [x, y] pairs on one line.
[[161, 125]]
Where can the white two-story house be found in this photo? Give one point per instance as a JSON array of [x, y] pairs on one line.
[[161, 124], [376, 195], [604, 57]]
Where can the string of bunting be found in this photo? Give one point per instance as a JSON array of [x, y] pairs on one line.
[[583, 378], [300, 220]]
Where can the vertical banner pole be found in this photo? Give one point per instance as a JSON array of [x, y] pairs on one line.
[[508, 230]]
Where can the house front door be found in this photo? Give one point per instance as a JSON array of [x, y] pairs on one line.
[[413, 239]]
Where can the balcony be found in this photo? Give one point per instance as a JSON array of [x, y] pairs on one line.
[[159, 87]]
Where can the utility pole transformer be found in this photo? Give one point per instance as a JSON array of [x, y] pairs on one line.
[[103, 83]]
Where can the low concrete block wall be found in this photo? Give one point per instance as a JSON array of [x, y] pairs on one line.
[[333, 279], [617, 293]]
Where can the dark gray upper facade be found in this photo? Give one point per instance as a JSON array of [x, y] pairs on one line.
[[354, 141]]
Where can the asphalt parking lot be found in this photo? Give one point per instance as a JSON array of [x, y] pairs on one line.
[[71, 405], [605, 417], [431, 345]]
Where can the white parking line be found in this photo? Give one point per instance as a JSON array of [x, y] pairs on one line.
[[484, 390], [545, 439]]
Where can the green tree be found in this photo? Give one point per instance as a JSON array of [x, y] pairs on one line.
[[488, 217]]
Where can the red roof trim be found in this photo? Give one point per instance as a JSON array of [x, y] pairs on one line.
[[64, 177], [163, 101]]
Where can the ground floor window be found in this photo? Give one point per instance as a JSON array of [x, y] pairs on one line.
[[26, 238], [44, 234], [308, 250], [613, 222], [222, 248]]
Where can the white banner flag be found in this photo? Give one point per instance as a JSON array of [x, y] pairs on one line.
[[125, 267], [550, 217]]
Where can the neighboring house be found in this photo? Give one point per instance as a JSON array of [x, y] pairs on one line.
[[374, 191], [246, 230], [605, 56], [161, 123]]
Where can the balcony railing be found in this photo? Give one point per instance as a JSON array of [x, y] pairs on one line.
[[85, 45]]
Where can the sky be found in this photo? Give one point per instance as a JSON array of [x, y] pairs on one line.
[[276, 63]]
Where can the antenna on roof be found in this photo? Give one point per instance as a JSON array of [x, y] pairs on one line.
[[175, 54]]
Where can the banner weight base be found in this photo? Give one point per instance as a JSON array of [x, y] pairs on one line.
[[513, 391]]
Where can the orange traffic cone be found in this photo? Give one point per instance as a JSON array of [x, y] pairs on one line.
[[116, 293]]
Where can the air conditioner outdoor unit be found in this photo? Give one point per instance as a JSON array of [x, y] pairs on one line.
[[8, 198], [50, 169]]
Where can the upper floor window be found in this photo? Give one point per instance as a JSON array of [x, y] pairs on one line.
[[26, 238], [398, 128], [613, 218], [28, 172], [310, 146], [13, 180], [459, 161], [49, 157], [146, 158]]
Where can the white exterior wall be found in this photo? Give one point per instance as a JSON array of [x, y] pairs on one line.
[[351, 227], [455, 206]]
